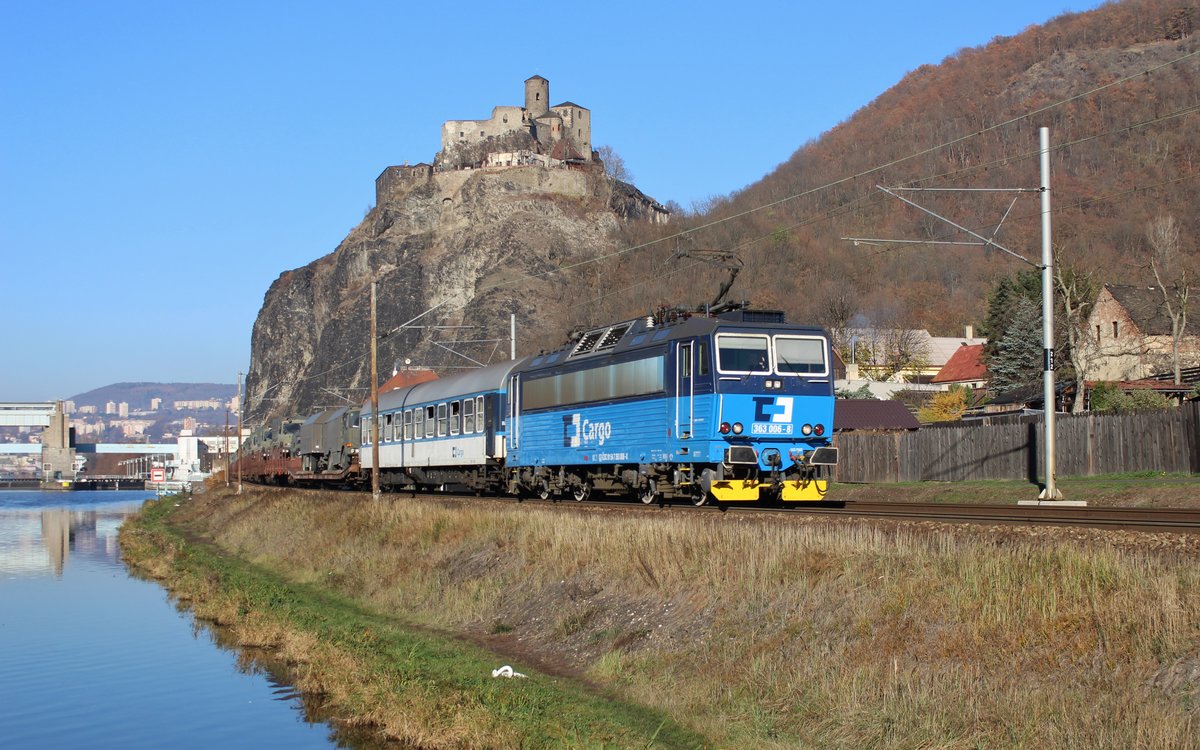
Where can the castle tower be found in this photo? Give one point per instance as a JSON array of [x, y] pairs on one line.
[[537, 96]]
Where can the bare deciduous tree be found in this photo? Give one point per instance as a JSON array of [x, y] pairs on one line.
[[1076, 287], [1175, 272], [614, 165]]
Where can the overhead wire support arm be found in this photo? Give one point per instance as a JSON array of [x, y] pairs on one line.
[[986, 240], [1050, 494], [878, 241]]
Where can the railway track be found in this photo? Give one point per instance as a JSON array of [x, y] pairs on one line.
[[1123, 519], [1116, 519]]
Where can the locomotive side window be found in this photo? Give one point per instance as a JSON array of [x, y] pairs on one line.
[[800, 355], [419, 422], [479, 413], [429, 420], [743, 354], [408, 424], [702, 357], [622, 380], [468, 416]]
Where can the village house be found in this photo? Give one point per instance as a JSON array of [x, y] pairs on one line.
[[1131, 335], [965, 367]]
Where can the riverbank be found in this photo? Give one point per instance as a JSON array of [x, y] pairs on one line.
[[749, 631]]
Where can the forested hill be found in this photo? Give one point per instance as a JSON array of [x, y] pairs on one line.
[[1119, 88]]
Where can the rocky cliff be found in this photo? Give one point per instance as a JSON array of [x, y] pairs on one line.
[[454, 254]]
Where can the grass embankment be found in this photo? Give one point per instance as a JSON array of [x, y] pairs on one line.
[[419, 687], [757, 631]]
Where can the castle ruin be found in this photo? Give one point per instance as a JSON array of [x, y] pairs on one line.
[[562, 133], [535, 135]]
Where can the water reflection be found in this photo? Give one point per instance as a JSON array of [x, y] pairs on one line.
[[90, 656], [313, 706], [38, 541]]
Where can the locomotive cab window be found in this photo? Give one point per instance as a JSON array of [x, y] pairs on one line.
[[800, 355], [743, 354]]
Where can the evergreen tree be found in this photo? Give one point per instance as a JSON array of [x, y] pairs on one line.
[[1013, 353], [1018, 358], [1002, 305]]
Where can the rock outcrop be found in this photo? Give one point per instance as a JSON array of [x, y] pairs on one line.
[[454, 254]]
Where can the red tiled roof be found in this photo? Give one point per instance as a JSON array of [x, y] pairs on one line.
[[965, 365], [405, 378]]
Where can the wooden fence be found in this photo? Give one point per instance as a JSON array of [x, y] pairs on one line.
[[1166, 440]]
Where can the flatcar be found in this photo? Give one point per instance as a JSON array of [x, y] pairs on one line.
[[328, 447], [269, 455]]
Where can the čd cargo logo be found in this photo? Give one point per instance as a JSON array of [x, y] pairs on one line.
[[772, 408], [772, 415], [582, 433]]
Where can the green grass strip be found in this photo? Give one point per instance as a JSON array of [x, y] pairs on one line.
[[442, 672]]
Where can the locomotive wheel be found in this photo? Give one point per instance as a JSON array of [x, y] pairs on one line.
[[543, 490], [650, 494], [700, 498], [581, 492]]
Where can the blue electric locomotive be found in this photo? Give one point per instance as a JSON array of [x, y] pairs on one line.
[[733, 405]]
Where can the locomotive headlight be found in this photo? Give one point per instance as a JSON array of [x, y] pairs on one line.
[[819, 429], [806, 429], [737, 428], [724, 428]]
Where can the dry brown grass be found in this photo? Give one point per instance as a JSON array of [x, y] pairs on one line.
[[776, 632]]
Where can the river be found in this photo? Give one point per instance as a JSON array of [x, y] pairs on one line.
[[93, 657]]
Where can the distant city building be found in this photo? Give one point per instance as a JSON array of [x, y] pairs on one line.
[[155, 404], [110, 407], [233, 404], [131, 427], [189, 426], [123, 409], [209, 403], [83, 427], [87, 409], [68, 407]]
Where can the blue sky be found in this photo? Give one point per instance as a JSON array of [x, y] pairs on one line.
[[162, 163]]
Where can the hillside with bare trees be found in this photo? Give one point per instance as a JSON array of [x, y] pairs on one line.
[[1119, 88]]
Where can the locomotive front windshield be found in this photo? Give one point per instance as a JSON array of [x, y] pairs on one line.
[[740, 353], [799, 356], [761, 355]]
